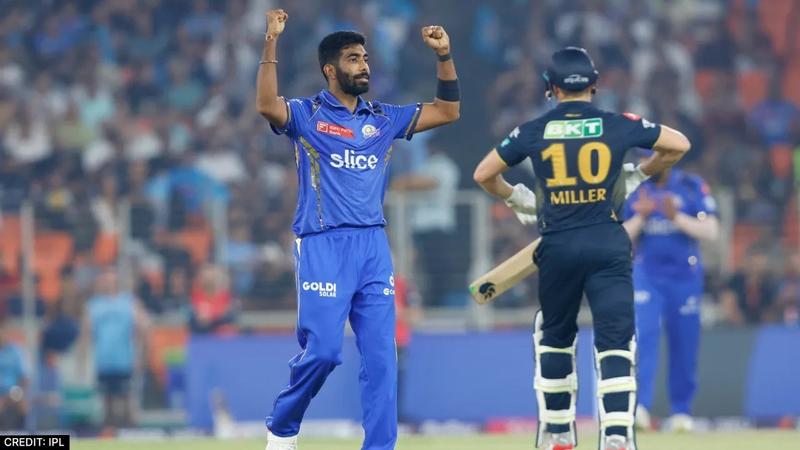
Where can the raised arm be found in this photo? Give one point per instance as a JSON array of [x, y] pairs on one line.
[[446, 106], [268, 103]]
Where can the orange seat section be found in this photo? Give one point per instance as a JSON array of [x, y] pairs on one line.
[[105, 248], [10, 243], [52, 250], [791, 82], [774, 18], [705, 82]]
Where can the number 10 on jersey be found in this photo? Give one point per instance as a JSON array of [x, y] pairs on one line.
[[557, 155]]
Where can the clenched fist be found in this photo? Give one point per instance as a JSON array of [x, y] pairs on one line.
[[437, 39], [276, 21]]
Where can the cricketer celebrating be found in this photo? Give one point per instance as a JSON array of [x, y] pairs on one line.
[[666, 217], [343, 145], [577, 152]]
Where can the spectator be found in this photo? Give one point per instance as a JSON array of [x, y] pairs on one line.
[[749, 297], [274, 284], [71, 133], [27, 139], [11, 72], [212, 303], [184, 93], [775, 118], [241, 256], [60, 332], [116, 326], [13, 384]]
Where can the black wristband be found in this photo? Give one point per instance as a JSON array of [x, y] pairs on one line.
[[443, 58], [448, 90]]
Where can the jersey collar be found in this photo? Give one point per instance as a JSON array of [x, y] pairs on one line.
[[332, 102], [574, 104]]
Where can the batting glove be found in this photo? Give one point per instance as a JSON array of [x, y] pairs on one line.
[[633, 177], [523, 201]]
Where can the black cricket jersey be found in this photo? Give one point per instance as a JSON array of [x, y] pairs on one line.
[[577, 152]]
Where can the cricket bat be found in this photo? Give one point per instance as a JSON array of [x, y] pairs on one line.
[[506, 275]]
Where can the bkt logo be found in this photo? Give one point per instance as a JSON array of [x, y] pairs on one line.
[[324, 289], [352, 160]]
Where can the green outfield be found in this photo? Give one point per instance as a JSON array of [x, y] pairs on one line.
[[749, 440]]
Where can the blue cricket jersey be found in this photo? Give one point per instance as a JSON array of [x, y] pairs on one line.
[[12, 368], [113, 332], [662, 249], [342, 159]]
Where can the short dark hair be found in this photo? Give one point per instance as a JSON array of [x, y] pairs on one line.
[[330, 46]]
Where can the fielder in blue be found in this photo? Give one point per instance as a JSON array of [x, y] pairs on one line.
[[666, 217], [343, 145]]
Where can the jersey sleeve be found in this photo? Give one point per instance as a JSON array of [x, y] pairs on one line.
[[517, 146], [403, 119], [640, 131], [297, 111]]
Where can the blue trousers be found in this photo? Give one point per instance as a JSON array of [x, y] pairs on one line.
[[341, 274], [672, 304]]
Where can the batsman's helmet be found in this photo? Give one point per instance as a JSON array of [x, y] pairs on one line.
[[571, 69]]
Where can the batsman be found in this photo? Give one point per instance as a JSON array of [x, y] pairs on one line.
[[577, 153]]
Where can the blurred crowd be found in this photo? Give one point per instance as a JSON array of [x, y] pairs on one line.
[[135, 118]]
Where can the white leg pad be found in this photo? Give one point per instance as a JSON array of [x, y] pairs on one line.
[[621, 384], [542, 386]]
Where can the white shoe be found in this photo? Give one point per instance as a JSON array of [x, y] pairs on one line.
[[616, 442], [643, 420], [560, 441], [281, 443], [682, 423]]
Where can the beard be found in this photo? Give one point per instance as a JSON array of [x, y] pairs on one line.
[[350, 84]]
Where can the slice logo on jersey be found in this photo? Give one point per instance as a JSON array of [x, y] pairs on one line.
[[324, 289], [352, 160], [574, 129], [334, 130], [369, 131]]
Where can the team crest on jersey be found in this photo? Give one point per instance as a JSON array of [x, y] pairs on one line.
[[574, 129], [334, 130], [369, 131], [632, 116]]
